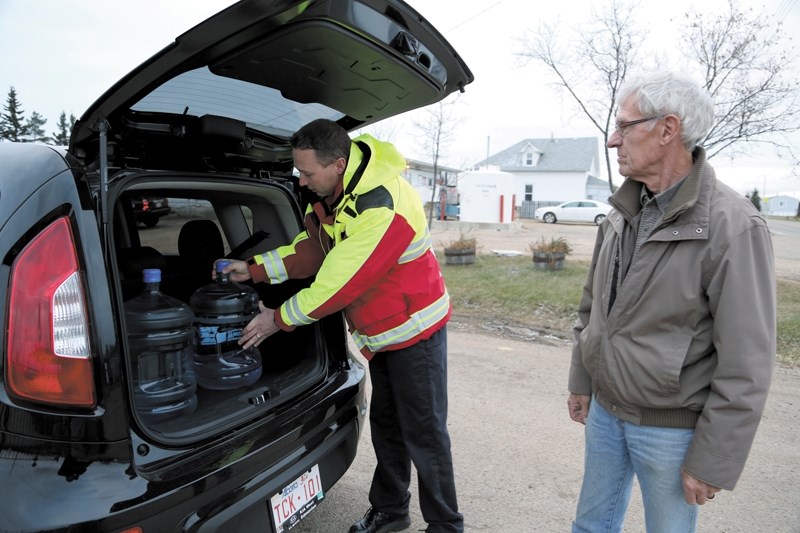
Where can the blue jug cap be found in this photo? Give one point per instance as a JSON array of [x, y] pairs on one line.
[[151, 275], [220, 266]]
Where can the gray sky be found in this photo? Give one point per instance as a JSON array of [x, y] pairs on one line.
[[60, 55]]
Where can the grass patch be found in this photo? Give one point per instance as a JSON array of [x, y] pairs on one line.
[[510, 289], [788, 321]]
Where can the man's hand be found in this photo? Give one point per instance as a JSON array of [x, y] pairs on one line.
[[261, 327], [696, 491], [236, 270], [578, 405]]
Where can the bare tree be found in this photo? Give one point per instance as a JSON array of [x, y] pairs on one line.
[[592, 69], [438, 129], [740, 54], [745, 66], [385, 130]]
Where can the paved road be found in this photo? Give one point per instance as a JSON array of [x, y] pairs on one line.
[[519, 458]]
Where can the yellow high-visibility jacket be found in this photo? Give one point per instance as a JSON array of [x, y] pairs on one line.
[[370, 249]]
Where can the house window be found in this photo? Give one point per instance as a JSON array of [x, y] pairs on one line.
[[528, 159], [529, 192]]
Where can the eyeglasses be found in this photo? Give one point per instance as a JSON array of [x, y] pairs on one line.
[[622, 125]]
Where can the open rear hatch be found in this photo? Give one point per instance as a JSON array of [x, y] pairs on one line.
[[204, 126]]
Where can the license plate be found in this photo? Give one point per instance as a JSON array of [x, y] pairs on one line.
[[296, 500]]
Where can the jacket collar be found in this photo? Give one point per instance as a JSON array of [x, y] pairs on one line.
[[360, 155], [627, 199]]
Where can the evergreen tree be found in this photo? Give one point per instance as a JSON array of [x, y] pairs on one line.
[[756, 199], [12, 121], [35, 128], [61, 135]]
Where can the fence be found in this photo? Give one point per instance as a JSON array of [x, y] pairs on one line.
[[527, 209]]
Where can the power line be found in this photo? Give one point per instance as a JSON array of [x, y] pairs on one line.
[[476, 15], [784, 9]]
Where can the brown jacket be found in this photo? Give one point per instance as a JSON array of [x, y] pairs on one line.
[[690, 338]]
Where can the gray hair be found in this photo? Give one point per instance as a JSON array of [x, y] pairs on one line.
[[672, 93]]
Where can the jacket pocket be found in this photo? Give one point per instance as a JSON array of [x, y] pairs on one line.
[[649, 368]]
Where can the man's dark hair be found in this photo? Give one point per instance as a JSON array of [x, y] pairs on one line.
[[326, 137]]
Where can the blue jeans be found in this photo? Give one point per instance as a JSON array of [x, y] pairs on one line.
[[615, 451]]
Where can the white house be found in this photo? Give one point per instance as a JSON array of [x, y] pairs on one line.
[[552, 170], [779, 206]]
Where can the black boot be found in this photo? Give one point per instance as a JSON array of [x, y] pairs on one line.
[[378, 522]]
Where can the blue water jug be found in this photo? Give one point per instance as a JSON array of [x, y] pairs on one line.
[[221, 310], [160, 338]]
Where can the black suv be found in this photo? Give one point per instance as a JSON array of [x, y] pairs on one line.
[[205, 124]]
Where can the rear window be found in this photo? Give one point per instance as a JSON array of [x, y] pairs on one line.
[[165, 236], [200, 92]]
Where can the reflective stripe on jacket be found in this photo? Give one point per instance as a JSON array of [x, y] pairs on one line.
[[371, 252]]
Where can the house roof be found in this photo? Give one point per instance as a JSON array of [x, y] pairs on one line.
[[779, 197], [591, 181], [557, 155], [424, 165]]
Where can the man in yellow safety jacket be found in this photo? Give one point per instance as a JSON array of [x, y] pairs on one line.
[[367, 242]]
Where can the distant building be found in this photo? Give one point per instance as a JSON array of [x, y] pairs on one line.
[[779, 206], [551, 171], [420, 175]]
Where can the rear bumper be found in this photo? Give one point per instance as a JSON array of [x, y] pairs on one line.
[[50, 487], [249, 510]]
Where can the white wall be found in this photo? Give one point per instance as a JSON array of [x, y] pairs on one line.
[[483, 192], [550, 186], [779, 206]]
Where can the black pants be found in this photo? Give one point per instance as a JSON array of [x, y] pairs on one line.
[[408, 420]]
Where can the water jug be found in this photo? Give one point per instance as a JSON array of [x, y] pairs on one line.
[[160, 337], [221, 310]]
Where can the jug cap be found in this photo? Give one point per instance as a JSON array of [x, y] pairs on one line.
[[151, 275]]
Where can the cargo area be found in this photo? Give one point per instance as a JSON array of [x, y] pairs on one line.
[[187, 224]]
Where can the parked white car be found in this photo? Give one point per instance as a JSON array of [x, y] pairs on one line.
[[574, 211]]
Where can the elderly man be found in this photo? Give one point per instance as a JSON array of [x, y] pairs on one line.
[[675, 338]]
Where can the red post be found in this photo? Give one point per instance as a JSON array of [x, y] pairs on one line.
[[502, 197]]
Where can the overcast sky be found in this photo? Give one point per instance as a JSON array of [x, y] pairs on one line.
[[60, 55]]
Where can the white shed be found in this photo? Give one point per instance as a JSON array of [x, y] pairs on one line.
[[486, 196], [779, 206]]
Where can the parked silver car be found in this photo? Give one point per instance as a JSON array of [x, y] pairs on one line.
[[574, 211]]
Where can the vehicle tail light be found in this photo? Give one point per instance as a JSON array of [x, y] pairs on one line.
[[145, 205], [48, 353]]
